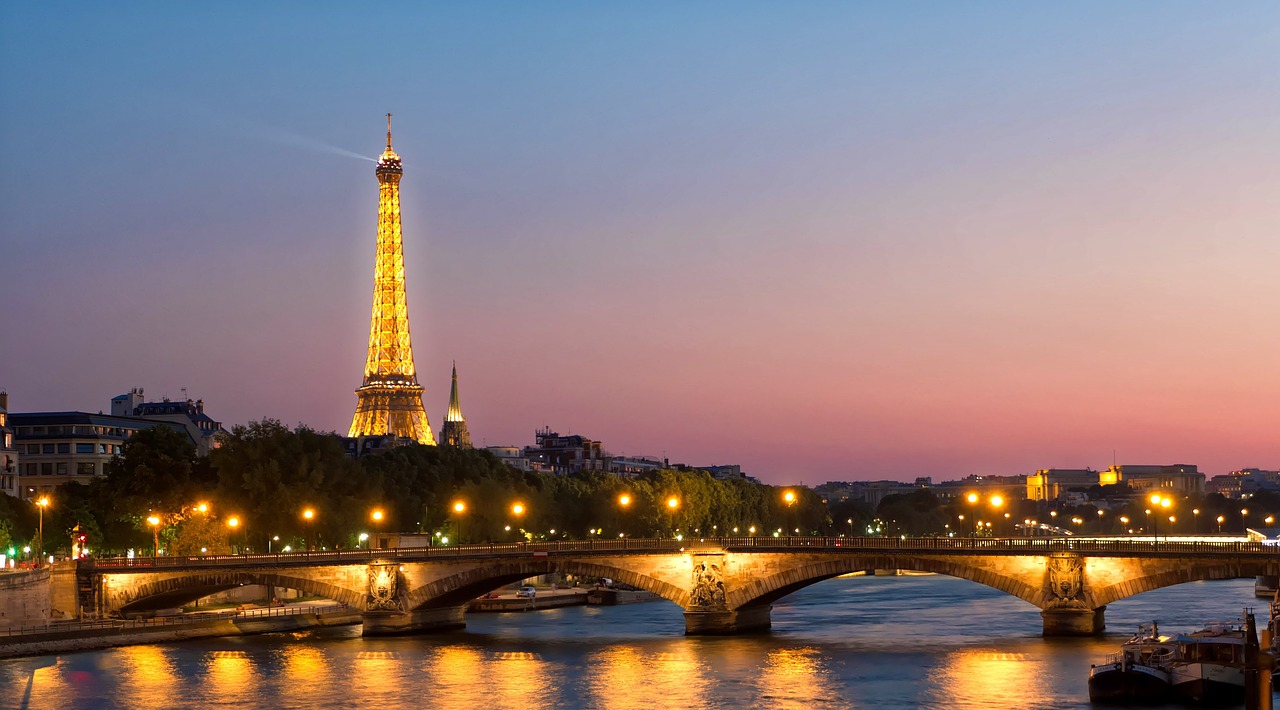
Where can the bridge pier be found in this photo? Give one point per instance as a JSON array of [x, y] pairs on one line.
[[391, 623], [1073, 622], [725, 623]]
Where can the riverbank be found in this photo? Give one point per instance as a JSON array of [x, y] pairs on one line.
[[57, 637], [548, 599]]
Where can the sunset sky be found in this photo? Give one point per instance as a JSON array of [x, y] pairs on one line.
[[822, 240]]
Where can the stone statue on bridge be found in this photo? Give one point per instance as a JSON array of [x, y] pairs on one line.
[[1066, 582], [708, 588]]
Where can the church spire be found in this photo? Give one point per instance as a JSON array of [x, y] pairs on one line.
[[454, 431]]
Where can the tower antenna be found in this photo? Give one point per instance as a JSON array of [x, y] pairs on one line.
[[388, 131]]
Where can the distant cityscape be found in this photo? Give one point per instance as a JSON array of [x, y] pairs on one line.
[[43, 450]]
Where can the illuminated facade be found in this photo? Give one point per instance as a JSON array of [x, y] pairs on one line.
[[454, 431], [8, 450], [390, 400]]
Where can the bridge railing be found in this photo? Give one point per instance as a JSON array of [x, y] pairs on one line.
[[1031, 545]]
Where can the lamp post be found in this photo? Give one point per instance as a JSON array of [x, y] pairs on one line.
[[789, 497], [459, 508], [42, 503], [308, 514], [672, 503], [376, 516], [234, 523], [154, 520], [1244, 526], [1220, 521], [1195, 517], [997, 502], [273, 538], [517, 512]]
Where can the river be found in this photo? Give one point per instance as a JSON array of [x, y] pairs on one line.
[[860, 642]]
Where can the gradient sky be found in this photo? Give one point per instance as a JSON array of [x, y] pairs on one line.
[[823, 240]]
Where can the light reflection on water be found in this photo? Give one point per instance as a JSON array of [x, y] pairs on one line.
[[888, 642]]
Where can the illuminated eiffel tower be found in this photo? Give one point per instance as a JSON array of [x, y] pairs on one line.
[[390, 400]]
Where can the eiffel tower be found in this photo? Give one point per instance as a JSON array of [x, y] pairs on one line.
[[390, 400]]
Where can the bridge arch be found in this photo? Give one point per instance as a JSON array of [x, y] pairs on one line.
[[179, 589], [1157, 576], [462, 587], [767, 590]]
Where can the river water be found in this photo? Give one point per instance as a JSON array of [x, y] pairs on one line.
[[860, 642]]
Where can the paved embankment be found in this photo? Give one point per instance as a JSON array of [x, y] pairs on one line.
[[545, 599], [82, 636]]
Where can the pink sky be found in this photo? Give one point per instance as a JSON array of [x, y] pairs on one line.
[[980, 243]]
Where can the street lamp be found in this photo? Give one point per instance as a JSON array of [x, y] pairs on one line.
[[308, 515], [789, 497], [1244, 527], [154, 520], [43, 503], [1220, 521], [376, 516], [850, 522], [459, 508], [233, 522], [517, 510], [1195, 516], [274, 538]]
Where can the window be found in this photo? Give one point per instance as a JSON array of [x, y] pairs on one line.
[[46, 469], [84, 448], [46, 448], [104, 449], [32, 469], [86, 468], [33, 448], [64, 448], [62, 468]]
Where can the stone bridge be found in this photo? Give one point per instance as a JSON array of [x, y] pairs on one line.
[[725, 585]]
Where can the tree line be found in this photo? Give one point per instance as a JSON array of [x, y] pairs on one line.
[[256, 488]]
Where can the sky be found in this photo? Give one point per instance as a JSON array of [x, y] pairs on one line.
[[822, 240]]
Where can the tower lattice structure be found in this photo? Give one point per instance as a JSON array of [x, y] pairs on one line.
[[390, 400], [454, 430]]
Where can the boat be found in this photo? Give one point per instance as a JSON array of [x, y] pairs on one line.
[[1139, 674], [1209, 665], [1265, 586]]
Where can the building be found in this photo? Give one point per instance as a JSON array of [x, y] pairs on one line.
[[1178, 478], [9, 463], [72, 447], [1244, 483], [1010, 487], [454, 430], [553, 453], [203, 429], [390, 399], [868, 492], [512, 456], [1053, 483], [357, 446]]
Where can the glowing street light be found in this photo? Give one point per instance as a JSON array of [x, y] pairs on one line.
[[308, 514], [1195, 513], [42, 503], [972, 497], [154, 521], [1220, 521], [459, 507], [234, 523]]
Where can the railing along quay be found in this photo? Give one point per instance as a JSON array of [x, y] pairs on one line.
[[1032, 545], [58, 627]]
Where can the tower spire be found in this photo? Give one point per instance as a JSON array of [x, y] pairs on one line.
[[454, 430], [388, 132]]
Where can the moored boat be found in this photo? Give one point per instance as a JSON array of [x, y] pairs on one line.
[[1209, 667], [1139, 674]]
